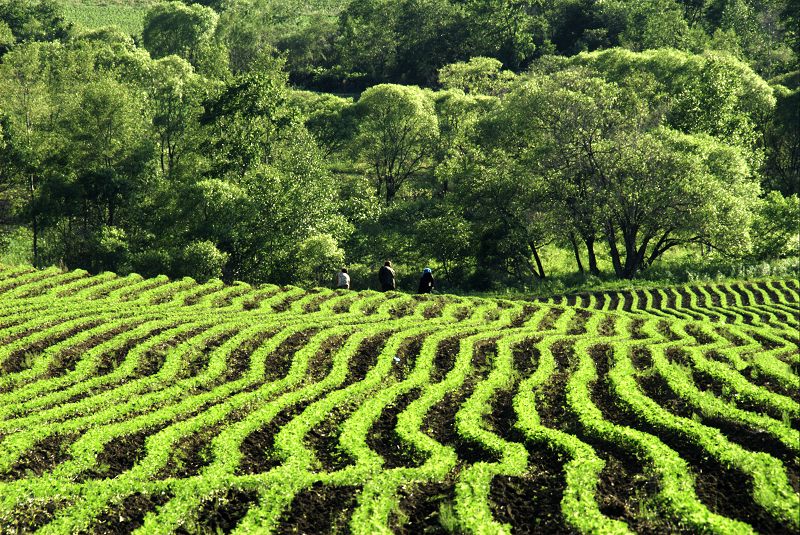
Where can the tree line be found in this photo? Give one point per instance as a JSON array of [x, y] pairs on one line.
[[206, 148]]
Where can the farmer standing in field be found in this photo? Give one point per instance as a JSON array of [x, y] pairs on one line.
[[343, 280], [426, 282], [386, 277]]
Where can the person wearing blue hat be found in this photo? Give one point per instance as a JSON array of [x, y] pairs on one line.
[[426, 282]]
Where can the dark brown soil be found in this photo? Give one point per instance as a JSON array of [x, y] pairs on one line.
[[725, 491], [729, 336], [323, 438], [730, 298], [421, 506], [120, 454], [624, 488], [757, 440], [613, 300], [550, 318], [440, 420], [384, 440], [365, 358], [636, 329], [279, 361], [434, 311], [255, 301], [23, 333], [406, 357], [42, 457], [343, 306], [462, 313], [31, 515], [656, 299], [42, 289], [222, 512], [226, 299], [551, 399], [531, 503], [627, 301], [320, 366], [705, 382], [685, 297], [772, 294], [764, 381], [194, 298], [672, 297], [578, 323], [641, 358], [739, 290], [701, 337], [600, 300], [606, 327], [283, 306], [199, 362], [524, 316], [23, 358], [68, 358], [153, 359], [239, 359], [501, 417], [128, 514], [794, 364], [526, 357], [766, 343], [445, 358], [320, 509], [642, 300], [258, 449], [665, 330], [715, 298], [190, 454], [315, 304], [110, 360]]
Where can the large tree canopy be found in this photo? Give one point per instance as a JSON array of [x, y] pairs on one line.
[[598, 153], [203, 146], [396, 131]]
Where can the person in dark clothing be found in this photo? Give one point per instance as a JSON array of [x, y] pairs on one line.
[[343, 280], [426, 282], [386, 277]]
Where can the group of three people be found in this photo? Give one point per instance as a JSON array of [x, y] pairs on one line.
[[386, 277]]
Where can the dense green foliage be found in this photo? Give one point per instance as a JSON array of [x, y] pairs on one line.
[[157, 406], [205, 145]]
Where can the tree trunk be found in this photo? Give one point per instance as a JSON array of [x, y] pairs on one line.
[[536, 258], [593, 269], [630, 268], [634, 256], [35, 229], [34, 220], [391, 189], [612, 245], [576, 252]]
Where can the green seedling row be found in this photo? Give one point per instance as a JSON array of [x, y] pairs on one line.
[[171, 406]]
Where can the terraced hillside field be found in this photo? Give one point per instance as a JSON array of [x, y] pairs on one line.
[[162, 406], [128, 15]]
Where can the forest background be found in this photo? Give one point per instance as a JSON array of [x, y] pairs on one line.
[[532, 146]]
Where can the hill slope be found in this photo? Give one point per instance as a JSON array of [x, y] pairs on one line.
[[157, 405], [127, 14]]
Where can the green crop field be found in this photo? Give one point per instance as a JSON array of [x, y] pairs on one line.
[[127, 14], [158, 406]]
